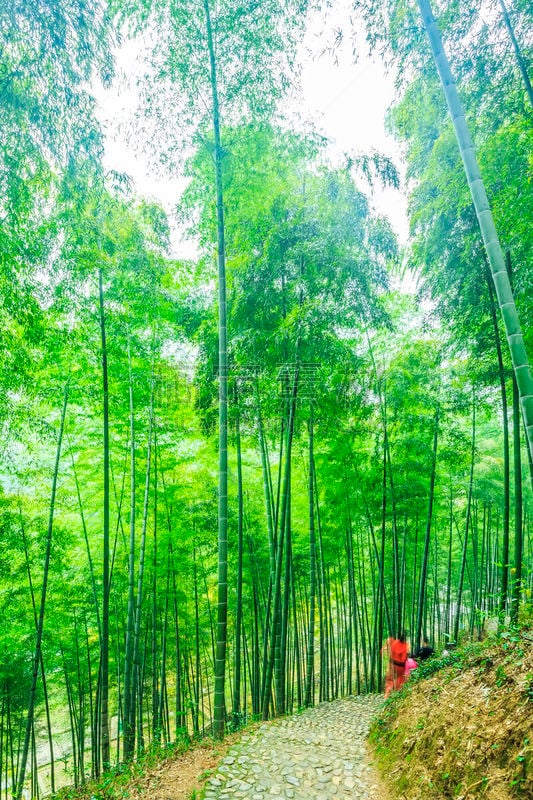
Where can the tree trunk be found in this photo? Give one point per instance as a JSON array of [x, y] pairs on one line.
[[275, 649], [309, 683], [449, 568], [425, 557], [518, 53], [467, 526], [41, 660], [129, 729], [238, 616], [516, 584], [135, 704], [156, 722], [222, 617], [104, 670], [40, 621], [502, 283], [506, 466]]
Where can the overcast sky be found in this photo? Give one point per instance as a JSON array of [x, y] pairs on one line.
[[346, 101]]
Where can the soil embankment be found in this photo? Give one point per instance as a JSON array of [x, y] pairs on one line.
[[465, 731]]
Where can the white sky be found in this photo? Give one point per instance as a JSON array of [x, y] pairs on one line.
[[346, 101], [349, 101]]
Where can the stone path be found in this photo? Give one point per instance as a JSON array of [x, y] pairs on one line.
[[317, 755]]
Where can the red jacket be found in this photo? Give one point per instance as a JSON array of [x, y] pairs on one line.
[[398, 652]]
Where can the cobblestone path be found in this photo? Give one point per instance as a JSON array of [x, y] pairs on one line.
[[317, 755]]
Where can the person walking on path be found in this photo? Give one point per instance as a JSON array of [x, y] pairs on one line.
[[397, 650]]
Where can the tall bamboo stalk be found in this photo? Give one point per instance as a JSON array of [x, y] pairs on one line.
[[522, 66], [129, 728], [42, 606], [240, 547], [467, 524], [310, 674], [222, 617], [104, 646], [425, 557], [491, 241]]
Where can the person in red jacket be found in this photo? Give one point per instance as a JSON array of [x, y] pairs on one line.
[[397, 650]]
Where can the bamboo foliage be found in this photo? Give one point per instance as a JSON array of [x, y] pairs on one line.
[[496, 260], [518, 52], [369, 489]]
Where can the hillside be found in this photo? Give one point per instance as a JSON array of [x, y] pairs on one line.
[[466, 730], [461, 729]]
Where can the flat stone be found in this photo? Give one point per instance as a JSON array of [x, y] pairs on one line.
[[319, 754]]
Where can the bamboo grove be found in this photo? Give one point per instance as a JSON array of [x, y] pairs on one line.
[[226, 481]]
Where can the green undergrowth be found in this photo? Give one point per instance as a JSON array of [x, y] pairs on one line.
[[141, 778], [125, 780], [462, 727]]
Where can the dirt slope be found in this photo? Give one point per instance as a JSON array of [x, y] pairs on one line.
[[466, 731], [180, 776]]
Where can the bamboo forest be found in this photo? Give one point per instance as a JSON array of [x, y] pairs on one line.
[[228, 478]]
